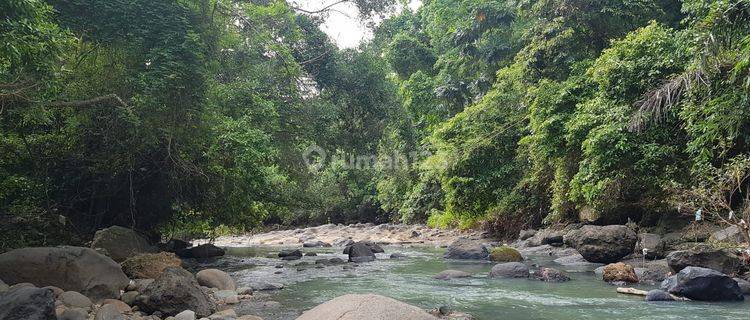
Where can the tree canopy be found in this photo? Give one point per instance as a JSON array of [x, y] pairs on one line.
[[197, 116]]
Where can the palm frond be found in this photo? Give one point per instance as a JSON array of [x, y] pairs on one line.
[[657, 103]]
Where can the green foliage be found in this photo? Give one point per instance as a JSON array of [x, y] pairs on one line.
[[192, 116]]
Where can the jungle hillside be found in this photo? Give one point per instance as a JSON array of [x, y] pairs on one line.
[[196, 118]]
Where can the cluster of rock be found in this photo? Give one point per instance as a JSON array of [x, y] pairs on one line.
[[340, 235], [77, 283], [697, 272]]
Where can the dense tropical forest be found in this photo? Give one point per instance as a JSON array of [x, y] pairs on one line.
[[210, 116]]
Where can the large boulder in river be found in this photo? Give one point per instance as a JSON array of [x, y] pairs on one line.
[[202, 252], [505, 254], [651, 244], [174, 291], [150, 265], [365, 307], [360, 252], [295, 254], [509, 270], [376, 248], [619, 272], [120, 243], [70, 268], [602, 244], [703, 284], [722, 260], [465, 248], [214, 278], [27, 303]]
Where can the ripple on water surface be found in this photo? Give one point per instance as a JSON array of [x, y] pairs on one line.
[[410, 280]]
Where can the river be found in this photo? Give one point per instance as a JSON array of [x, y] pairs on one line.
[[410, 280]]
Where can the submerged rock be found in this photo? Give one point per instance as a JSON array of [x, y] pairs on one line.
[[703, 284], [464, 248], [509, 270], [365, 307], [70, 268], [452, 274], [602, 244], [658, 295]]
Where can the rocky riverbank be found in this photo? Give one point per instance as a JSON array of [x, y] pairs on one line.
[[339, 235], [124, 277]]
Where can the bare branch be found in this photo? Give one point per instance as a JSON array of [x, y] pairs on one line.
[[321, 10], [89, 102]]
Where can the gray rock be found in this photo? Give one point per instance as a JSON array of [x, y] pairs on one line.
[[731, 234], [744, 285], [703, 284], [509, 270], [289, 255], [467, 249], [121, 243], [185, 315], [70, 268], [722, 260], [360, 252], [525, 234], [398, 255], [73, 314], [266, 286], [365, 306], [653, 273], [28, 304], [451, 274], [74, 299], [602, 244], [653, 244], [658, 295], [172, 292], [221, 294], [129, 297], [202, 252], [109, 312], [214, 278], [315, 244], [550, 275], [374, 247], [574, 260], [3, 287]]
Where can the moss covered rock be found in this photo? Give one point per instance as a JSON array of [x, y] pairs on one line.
[[505, 254], [150, 265]]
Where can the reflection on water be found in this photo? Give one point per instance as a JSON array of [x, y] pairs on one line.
[[410, 280]]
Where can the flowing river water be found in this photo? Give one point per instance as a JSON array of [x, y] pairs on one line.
[[411, 280]]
